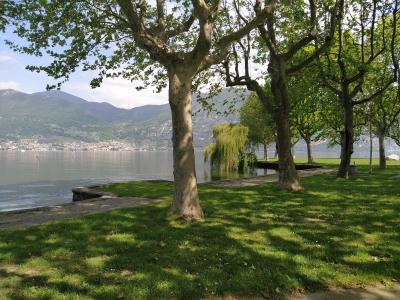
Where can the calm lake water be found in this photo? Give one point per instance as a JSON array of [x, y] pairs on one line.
[[34, 179]]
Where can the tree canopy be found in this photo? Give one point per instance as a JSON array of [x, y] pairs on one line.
[[259, 122]]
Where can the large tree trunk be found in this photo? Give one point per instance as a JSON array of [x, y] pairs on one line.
[[186, 201], [310, 158], [382, 155], [347, 140], [265, 151], [288, 175]]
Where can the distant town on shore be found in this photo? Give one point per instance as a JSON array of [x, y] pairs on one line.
[[112, 145]]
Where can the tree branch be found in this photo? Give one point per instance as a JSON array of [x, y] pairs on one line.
[[185, 26], [161, 15], [223, 44], [377, 93]]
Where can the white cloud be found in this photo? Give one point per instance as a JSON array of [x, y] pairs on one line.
[[8, 59], [119, 92], [9, 85]]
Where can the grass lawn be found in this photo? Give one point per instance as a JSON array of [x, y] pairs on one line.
[[336, 161], [254, 241]]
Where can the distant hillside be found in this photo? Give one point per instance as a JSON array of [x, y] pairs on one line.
[[59, 115], [107, 112]]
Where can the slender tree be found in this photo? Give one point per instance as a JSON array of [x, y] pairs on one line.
[[306, 113], [395, 132], [359, 44], [332, 119], [385, 107], [385, 111], [259, 122], [280, 45], [161, 43]]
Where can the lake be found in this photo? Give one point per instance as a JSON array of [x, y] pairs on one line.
[[34, 179]]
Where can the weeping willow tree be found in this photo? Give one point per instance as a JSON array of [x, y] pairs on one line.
[[229, 150]]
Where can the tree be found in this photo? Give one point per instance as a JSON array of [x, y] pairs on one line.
[[259, 122], [345, 67], [228, 152], [280, 45], [306, 112], [395, 132], [3, 20], [161, 44], [384, 111]]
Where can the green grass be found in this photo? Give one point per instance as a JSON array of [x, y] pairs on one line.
[[254, 241], [336, 161]]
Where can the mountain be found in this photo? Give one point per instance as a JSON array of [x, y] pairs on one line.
[[105, 111], [62, 116], [29, 115]]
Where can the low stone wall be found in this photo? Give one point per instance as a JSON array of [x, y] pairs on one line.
[[89, 192]]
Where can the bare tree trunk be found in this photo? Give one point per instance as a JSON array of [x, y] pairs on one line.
[[186, 201], [382, 155], [265, 151], [347, 140], [310, 158], [288, 175], [276, 150]]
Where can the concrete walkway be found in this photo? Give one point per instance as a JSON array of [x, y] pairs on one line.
[[252, 181], [36, 216]]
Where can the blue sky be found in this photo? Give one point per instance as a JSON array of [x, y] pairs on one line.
[[119, 92]]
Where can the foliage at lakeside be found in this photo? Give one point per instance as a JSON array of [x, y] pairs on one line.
[[229, 151], [261, 126], [254, 241]]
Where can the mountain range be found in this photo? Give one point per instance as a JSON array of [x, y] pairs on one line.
[[59, 116]]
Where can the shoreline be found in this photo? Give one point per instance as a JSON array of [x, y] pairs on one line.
[[41, 215], [93, 194]]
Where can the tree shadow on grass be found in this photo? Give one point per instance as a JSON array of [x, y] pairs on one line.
[[254, 241]]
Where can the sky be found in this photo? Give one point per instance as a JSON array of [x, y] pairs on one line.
[[119, 92]]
